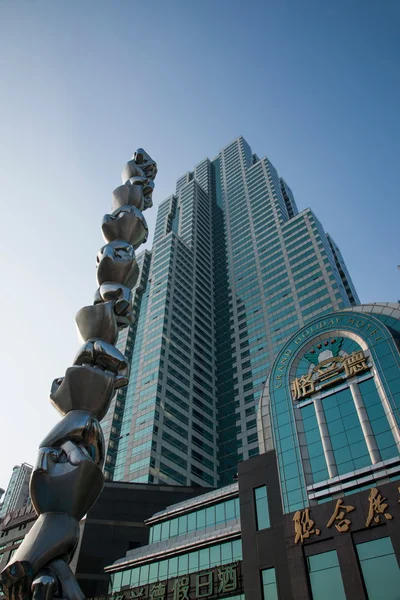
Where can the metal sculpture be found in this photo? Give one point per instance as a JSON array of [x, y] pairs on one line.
[[68, 477]]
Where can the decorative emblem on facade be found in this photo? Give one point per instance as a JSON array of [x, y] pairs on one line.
[[330, 367]]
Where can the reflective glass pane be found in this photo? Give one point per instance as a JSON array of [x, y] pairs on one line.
[[270, 591], [325, 575], [126, 577], [237, 550], [173, 530], [204, 558], [226, 553], [165, 530], [193, 562], [117, 581], [173, 566], [135, 576], [201, 519], [163, 569], [230, 510], [192, 522], [210, 516], [183, 564], [220, 513], [156, 533], [153, 572], [144, 574], [261, 506], [182, 524], [380, 569], [215, 556]]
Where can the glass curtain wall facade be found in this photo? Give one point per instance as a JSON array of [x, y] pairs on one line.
[[235, 269], [330, 407], [17, 494]]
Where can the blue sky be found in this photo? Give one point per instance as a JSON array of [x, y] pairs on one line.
[[313, 85]]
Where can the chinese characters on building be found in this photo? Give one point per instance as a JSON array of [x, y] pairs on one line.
[[206, 585], [304, 526], [328, 372]]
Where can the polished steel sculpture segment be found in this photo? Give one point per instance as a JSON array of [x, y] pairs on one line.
[[68, 478]]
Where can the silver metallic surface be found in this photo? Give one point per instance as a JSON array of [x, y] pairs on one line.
[[130, 194], [85, 388], [54, 535], [103, 355], [141, 164], [66, 578], [78, 427], [97, 320], [120, 294], [67, 478], [116, 262], [44, 586], [125, 223]]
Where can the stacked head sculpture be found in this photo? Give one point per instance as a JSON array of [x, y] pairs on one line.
[[67, 478]]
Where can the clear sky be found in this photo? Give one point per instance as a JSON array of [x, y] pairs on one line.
[[313, 85]]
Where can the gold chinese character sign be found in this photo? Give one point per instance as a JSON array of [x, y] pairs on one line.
[[329, 368]]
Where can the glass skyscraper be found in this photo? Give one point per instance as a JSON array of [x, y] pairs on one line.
[[234, 271], [17, 494]]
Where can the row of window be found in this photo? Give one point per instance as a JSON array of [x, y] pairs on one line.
[[191, 562], [379, 568], [218, 514]]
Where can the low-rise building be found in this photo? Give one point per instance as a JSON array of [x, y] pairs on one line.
[[316, 516]]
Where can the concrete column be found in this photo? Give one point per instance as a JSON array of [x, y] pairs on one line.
[[325, 438], [365, 424], [387, 408]]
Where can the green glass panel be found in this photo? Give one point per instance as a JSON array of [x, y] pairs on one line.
[[210, 516], [144, 574], [215, 556], [135, 576], [326, 560], [117, 581], [173, 530], [204, 558], [220, 512], [201, 519], [381, 577], [193, 562], [156, 533], [262, 509], [173, 566], [325, 578], [183, 564], [126, 577], [182, 524], [375, 548], [163, 569], [270, 591], [191, 522], [237, 550], [165, 530], [153, 572], [226, 553], [268, 576]]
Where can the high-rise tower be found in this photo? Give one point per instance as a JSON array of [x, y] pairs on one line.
[[235, 269], [17, 494]]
